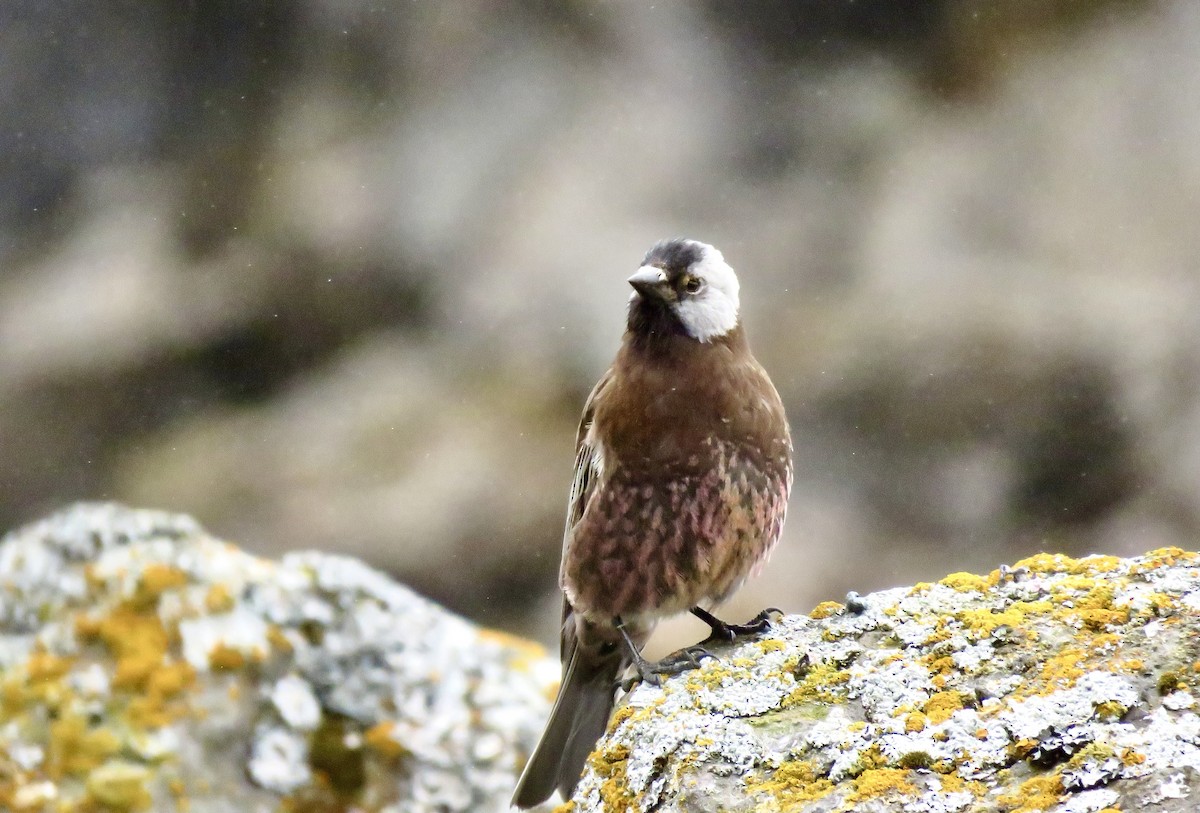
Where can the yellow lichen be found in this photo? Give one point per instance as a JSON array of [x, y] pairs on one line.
[[1111, 710], [876, 782], [1103, 619], [822, 683], [42, 666], [940, 707], [1022, 748], [76, 748], [159, 578], [380, 739], [1131, 757], [226, 658], [218, 599], [609, 764], [915, 722], [826, 609], [154, 707], [120, 786], [1041, 793], [278, 639], [793, 784], [1062, 669], [986, 621], [966, 582], [137, 640], [1093, 752], [1047, 563]]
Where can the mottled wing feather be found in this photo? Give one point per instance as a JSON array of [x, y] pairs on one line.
[[587, 473], [583, 484]]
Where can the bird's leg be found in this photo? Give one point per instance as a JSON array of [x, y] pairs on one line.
[[727, 633], [649, 671]]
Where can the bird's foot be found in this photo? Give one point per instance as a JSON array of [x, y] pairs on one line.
[[724, 633], [674, 664]]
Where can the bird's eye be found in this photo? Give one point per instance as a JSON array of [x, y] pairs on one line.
[[693, 285]]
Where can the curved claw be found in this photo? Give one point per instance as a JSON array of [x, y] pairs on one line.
[[727, 633], [676, 663]]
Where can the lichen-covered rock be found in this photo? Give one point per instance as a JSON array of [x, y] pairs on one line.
[[1056, 685], [145, 665]]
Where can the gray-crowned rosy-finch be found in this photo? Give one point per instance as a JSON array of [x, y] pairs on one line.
[[682, 471]]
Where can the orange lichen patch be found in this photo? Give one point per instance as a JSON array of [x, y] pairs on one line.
[[1131, 757], [158, 578], [279, 640], [41, 683], [178, 791], [1021, 748], [1158, 604], [1111, 710], [610, 764], [1059, 563], [791, 785], [619, 716], [941, 706], [565, 807], [379, 739], [953, 783], [42, 666], [1048, 563], [74, 748], [1063, 669], [1101, 564], [1098, 597], [984, 622], [878, 782], [137, 640], [967, 582], [915, 722], [823, 683], [826, 609], [771, 645], [227, 658], [1103, 619], [940, 667], [1129, 665], [1040, 793], [155, 707], [218, 599], [1163, 557], [120, 786], [940, 634]]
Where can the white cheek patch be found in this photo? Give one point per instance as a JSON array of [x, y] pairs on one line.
[[713, 312]]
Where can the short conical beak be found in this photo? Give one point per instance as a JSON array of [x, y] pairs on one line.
[[649, 281]]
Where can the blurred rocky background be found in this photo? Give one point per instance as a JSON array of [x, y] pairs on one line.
[[338, 274]]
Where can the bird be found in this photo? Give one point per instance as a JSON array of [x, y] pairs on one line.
[[682, 472]]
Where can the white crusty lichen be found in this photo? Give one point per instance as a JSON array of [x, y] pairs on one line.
[[1057, 685], [145, 665]]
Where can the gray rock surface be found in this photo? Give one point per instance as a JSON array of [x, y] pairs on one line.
[[1057, 685], [145, 665]]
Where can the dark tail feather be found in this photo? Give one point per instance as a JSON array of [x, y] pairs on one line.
[[577, 721]]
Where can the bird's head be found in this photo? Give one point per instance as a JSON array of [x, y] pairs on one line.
[[690, 283]]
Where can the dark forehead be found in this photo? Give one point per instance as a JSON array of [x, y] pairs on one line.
[[674, 254]]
